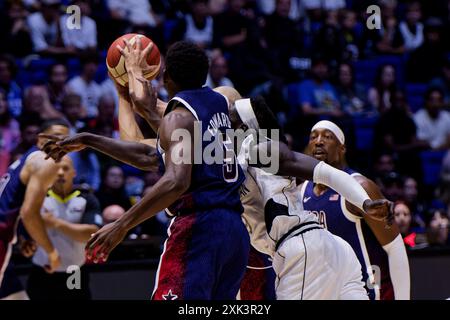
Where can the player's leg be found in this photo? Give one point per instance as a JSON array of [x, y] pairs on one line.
[[233, 258], [350, 272], [306, 267], [198, 251], [259, 279]]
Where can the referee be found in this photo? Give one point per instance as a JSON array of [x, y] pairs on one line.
[[71, 216]]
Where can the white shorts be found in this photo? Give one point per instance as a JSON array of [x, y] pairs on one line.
[[317, 265]]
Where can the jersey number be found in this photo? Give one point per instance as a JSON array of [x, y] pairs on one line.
[[230, 166]]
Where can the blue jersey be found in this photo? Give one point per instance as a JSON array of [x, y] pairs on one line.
[[332, 214], [12, 193], [216, 184]]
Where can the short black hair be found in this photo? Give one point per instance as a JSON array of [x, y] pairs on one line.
[[54, 122], [187, 65], [266, 118]]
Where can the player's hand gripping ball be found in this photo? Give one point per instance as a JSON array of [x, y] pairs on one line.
[[116, 62]]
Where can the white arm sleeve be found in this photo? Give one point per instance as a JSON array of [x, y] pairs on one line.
[[399, 268], [342, 183]]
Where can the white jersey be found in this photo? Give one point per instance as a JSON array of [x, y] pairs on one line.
[[272, 206]]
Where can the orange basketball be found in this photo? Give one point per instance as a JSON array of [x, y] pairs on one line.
[[116, 62]]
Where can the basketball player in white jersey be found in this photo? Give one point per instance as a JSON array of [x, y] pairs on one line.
[[379, 248]]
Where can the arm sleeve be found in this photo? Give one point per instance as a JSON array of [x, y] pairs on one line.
[[342, 183], [399, 268]]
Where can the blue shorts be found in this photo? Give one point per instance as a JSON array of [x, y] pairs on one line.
[[204, 257]]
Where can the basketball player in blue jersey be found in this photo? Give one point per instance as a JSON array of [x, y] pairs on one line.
[[207, 249], [379, 247], [22, 191]]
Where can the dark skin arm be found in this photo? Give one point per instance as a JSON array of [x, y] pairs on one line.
[[383, 231], [139, 155], [175, 181]]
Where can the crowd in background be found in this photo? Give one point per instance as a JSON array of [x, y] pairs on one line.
[[388, 88]]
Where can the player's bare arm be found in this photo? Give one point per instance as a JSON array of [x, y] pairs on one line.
[[39, 175], [139, 155], [175, 181], [384, 231], [141, 91]]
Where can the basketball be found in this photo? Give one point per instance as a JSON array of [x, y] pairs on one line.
[[116, 62]]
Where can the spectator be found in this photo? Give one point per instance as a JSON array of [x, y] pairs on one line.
[[127, 15], [197, 26], [218, 71], [392, 186], [438, 228], [351, 37], [112, 190], [325, 5], [112, 213], [15, 31], [237, 33], [381, 95], [433, 123], [443, 83], [29, 130], [85, 86], [404, 221], [105, 117], [414, 202], [412, 29], [329, 41], [9, 134], [45, 33], [71, 217], [37, 104], [317, 96], [283, 40], [73, 111], [9, 86], [395, 132], [426, 61], [109, 89], [351, 95], [83, 38], [389, 38], [135, 12], [57, 85]]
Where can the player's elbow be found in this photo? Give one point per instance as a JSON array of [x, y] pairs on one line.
[[26, 214], [178, 185]]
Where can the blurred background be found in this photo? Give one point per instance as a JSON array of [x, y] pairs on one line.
[[387, 88]]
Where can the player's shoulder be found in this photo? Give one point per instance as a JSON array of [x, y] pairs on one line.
[[364, 181], [36, 163]]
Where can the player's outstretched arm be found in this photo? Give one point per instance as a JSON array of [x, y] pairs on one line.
[[175, 181], [303, 166], [139, 155], [42, 177], [389, 237]]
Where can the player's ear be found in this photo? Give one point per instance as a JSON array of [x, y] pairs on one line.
[[343, 149]]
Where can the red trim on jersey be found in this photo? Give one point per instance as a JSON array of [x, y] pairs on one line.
[[170, 283]]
